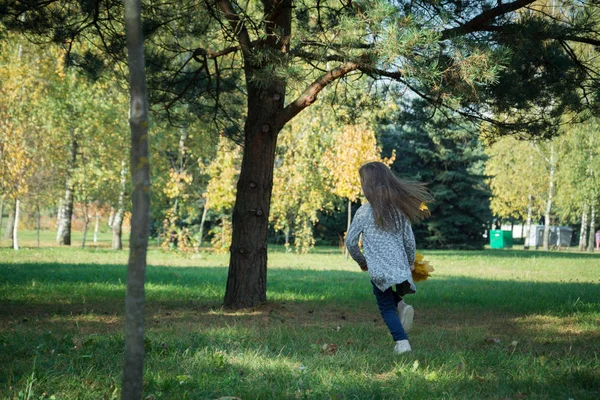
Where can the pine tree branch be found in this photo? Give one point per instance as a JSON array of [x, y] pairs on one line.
[[480, 21], [239, 28], [310, 94]]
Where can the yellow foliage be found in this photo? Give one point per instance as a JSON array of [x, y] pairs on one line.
[[422, 268]]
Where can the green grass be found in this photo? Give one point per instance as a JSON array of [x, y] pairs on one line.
[[489, 325]]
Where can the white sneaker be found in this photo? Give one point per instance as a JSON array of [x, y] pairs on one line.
[[402, 346], [406, 314]]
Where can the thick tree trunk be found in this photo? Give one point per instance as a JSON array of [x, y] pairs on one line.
[[528, 224], [117, 225], [64, 229], [583, 230], [96, 227], [592, 239], [549, 201], [247, 278], [140, 218], [15, 227]]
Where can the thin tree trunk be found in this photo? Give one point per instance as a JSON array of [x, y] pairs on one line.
[[1, 213], [67, 217], [9, 224], [549, 201], [583, 230], [86, 224], [111, 217], [96, 227], [59, 216], [287, 237], [117, 226], [39, 217], [140, 217], [15, 228], [348, 225], [592, 238], [202, 221]]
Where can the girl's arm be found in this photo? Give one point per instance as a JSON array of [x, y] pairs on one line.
[[352, 241], [410, 246]]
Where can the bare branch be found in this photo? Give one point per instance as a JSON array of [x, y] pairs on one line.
[[239, 28]]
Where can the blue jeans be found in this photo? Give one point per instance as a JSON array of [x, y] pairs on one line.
[[388, 302]]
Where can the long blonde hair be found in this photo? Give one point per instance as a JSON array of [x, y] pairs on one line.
[[390, 196]]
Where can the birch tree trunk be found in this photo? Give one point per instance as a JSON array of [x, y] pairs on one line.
[[140, 217], [86, 224], [117, 225], [592, 238], [1, 213], [549, 201], [39, 217], [15, 227], [64, 230], [97, 215], [528, 224], [202, 221], [59, 216], [9, 224], [111, 217], [346, 254], [583, 230]]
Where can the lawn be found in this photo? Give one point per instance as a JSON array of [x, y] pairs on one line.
[[494, 324]]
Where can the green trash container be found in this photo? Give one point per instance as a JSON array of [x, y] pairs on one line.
[[501, 239]]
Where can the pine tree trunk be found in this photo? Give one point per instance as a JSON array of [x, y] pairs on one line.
[[549, 201], [39, 217], [96, 227], [592, 238], [15, 227], [583, 230], [117, 225], [64, 231], [140, 218], [202, 221]]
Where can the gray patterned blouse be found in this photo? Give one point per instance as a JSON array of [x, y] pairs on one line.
[[388, 255]]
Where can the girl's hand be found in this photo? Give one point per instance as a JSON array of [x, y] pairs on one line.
[[365, 268]]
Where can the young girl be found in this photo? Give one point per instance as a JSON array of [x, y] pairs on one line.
[[388, 243]]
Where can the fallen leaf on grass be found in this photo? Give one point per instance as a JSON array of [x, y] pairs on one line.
[[493, 340], [229, 398], [460, 367], [329, 348], [479, 378]]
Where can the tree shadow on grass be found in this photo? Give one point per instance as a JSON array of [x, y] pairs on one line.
[[77, 310]]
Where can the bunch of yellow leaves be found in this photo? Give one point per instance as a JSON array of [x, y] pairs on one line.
[[422, 268]]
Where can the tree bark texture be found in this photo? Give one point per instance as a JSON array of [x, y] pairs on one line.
[[549, 201], [9, 224], [117, 225], [592, 238], [247, 276], [583, 230], [64, 228], [96, 227], [15, 228], [1, 213], [140, 217], [528, 225]]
